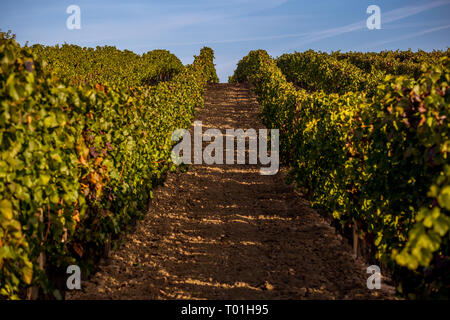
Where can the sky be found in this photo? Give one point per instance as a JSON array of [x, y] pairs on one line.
[[232, 27]]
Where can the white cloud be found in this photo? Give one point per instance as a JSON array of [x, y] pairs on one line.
[[310, 37], [408, 36], [408, 11], [387, 17]]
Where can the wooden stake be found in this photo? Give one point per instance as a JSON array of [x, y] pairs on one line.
[[355, 240]]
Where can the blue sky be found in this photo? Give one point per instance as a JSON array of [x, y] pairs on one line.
[[233, 27]]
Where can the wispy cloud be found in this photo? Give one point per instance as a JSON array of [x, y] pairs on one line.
[[223, 41], [416, 24], [314, 36], [408, 11], [161, 20], [231, 27], [387, 17], [408, 36]]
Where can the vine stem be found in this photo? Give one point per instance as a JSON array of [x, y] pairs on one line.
[[355, 240]]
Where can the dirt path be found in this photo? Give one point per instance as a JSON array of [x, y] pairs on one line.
[[227, 232]]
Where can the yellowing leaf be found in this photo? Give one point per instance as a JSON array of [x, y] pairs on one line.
[[6, 209], [27, 272]]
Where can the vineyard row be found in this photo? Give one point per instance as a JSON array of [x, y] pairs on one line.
[[372, 151]]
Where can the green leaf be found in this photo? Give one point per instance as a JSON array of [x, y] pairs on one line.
[[27, 272], [44, 179], [441, 225], [444, 198], [5, 253], [6, 209], [11, 88]]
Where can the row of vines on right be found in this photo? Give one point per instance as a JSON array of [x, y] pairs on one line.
[[369, 146]]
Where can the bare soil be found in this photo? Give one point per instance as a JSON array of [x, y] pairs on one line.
[[227, 232]]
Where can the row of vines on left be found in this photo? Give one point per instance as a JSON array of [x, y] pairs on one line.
[[78, 161]]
